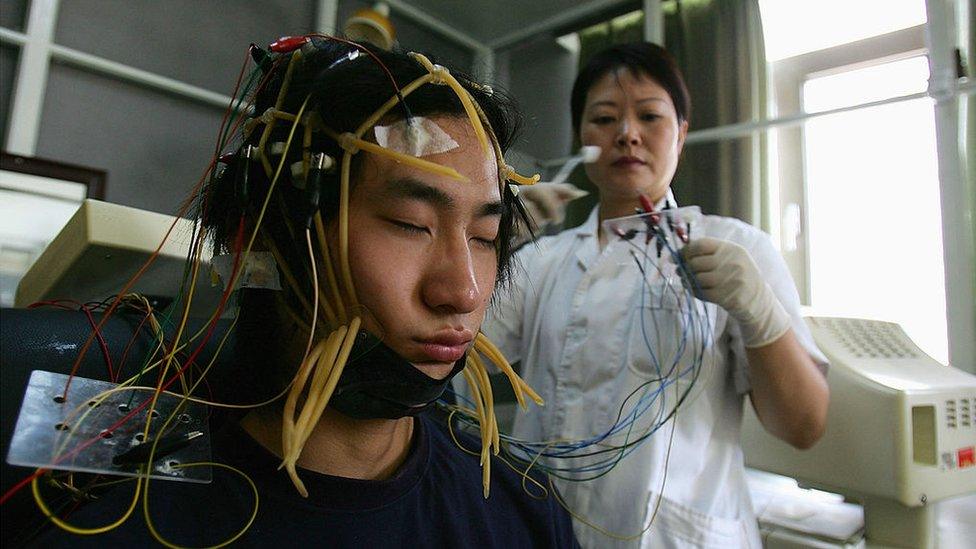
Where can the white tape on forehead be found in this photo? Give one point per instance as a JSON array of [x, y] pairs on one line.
[[422, 137]]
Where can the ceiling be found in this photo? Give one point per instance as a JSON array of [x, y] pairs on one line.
[[501, 24]]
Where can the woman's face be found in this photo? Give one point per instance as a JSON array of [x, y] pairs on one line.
[[422, 250], [633, 121]]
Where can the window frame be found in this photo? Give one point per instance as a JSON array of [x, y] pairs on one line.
[[788, 188]]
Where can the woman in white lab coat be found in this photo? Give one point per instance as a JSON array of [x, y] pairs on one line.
[[572, 320]]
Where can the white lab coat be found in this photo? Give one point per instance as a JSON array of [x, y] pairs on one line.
[[571, 319]]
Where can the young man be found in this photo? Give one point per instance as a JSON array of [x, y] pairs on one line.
[[388, 211]]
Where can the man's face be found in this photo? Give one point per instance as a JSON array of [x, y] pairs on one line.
[[422, 250]]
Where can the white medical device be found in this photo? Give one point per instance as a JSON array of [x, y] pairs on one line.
[[901, 431], [103, 245]]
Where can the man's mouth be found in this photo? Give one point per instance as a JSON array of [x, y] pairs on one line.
[[446, 347]]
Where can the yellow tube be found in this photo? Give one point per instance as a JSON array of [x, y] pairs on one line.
[[292, 63], [390, 103], [487, 348], [297, 387], [333, 379], [353, 144], [323, 366], [443, 74], [329, 270], [344, 229], [488, 429]]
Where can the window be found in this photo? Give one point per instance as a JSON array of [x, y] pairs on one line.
[[872, 184], [794, 27], [855, 194]]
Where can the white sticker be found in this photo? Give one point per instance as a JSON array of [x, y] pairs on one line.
[[422, 137], [260, 271]]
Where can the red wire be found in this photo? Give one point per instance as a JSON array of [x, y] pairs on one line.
[[360, 47], [152, 258], [91, 320], [125, 290], [132, 340], [213, 323]]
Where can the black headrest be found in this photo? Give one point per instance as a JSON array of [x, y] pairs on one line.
[[50, 339]]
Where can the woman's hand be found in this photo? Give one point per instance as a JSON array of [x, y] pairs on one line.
[[546, 204], [788, 391], [725, 274]]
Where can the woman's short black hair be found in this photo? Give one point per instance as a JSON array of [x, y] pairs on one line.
[[343, 92], [641, 58]]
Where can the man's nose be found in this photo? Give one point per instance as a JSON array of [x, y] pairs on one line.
[[451, 284]]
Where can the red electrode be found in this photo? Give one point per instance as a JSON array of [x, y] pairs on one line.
[[287, 44]]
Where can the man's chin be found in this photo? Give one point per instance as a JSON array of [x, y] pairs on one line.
[[434, 370]]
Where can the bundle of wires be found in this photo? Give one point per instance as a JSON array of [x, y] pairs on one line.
[[648, 407], [327, 349], [323, 362]]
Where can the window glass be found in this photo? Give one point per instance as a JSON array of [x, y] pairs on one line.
[[874, 223], [9, 57], [854, 87], [12, 14], [794, 27]]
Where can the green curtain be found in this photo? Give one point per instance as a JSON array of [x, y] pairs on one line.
[[718, 45]]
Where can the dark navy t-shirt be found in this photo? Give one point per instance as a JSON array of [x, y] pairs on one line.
[[434, 500]]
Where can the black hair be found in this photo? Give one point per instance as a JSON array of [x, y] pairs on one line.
[[343, 95], [641, 58], [343, 91]]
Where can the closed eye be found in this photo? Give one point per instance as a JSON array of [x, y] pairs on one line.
[[650, 117], [409, 227], [603, 120], [486, 242]]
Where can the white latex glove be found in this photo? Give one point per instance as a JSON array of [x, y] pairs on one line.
[[726, 275], [546, 202]]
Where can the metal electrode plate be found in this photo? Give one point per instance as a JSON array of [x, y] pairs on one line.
[[50, 430]]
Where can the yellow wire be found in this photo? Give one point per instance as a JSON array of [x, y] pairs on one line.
[[462, 95], [232, 539], [83, 531], [148, 472], [353, 144], [392, 102], [288, 416], [340, 308], [524, 474]]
